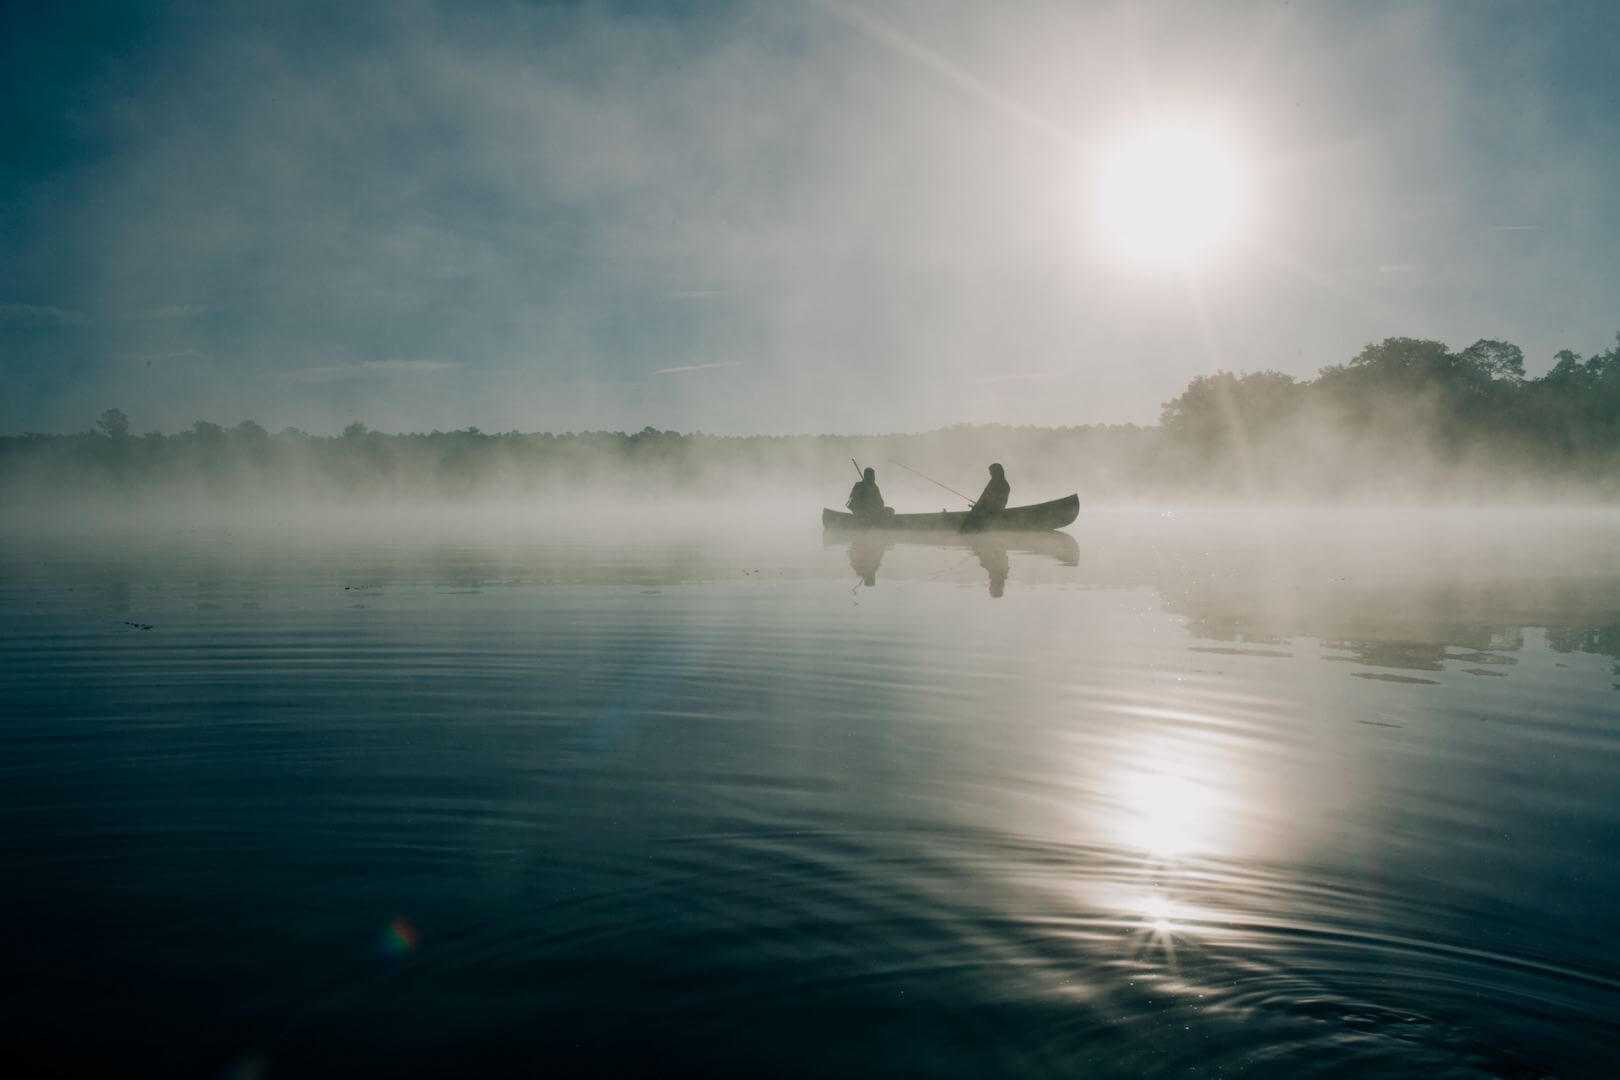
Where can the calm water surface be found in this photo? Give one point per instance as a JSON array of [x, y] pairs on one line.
[[1193, 794]]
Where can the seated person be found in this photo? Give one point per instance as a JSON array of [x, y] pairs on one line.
[[865, 500], [992, 501]]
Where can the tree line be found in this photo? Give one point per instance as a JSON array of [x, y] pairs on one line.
[[1406, 416], [1404, 419]]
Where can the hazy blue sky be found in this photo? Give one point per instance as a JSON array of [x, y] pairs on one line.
[[773, 217]]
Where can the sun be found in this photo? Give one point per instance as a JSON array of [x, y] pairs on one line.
[[1171, 196]]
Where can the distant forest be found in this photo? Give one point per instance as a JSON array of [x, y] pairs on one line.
[[1404, 420]]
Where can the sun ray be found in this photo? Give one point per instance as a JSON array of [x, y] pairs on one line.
[[887, 34]]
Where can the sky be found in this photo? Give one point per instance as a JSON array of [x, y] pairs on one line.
[[815, 217]]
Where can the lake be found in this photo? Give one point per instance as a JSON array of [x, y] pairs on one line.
[[1192, 793]]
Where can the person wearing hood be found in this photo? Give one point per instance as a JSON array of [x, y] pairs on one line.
[[992, 501], [865, 500]]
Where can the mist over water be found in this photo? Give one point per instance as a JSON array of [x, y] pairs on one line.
[[423, 653], [1404, 421], [1200, 791]]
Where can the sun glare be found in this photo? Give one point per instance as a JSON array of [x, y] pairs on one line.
[[1171, 197]]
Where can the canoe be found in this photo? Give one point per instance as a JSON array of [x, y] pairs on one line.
[[1036, 518]]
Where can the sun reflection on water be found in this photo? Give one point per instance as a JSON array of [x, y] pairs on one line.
[[1157, 930], [1174, 816], [1167, 811], [1159, 912]]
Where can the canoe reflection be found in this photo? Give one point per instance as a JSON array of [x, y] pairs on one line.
[[867, 549]]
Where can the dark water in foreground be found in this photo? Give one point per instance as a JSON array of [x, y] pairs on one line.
[[1197, 795]]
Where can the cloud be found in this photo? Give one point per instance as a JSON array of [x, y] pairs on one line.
[[868, 209], [174, 311], [148, 357], [1020, 376], [697, 367], [37, 317], [369, 369]]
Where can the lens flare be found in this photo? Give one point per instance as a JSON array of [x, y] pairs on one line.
[[399, 938]]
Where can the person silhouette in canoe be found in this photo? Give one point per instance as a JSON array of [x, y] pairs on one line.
[[992, 501], [865, 500]]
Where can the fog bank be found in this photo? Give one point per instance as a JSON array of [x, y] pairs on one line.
[[1405, 421]]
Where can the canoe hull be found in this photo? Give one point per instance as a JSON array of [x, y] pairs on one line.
[[1039, 517]]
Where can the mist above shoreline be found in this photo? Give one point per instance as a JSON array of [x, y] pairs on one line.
[[1406, 421]]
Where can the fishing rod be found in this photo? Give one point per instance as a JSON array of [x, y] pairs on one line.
[[931, 480]]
